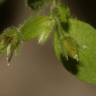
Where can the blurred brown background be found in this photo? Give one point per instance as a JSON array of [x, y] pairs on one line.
[[36, 71]]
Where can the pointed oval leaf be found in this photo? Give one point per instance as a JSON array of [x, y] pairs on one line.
[[85, 66], [85, 36]]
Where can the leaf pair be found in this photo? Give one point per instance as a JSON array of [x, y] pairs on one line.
[[74, 40], [74, 45]]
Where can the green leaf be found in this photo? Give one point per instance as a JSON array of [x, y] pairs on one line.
[[38, 27], [85, 37]]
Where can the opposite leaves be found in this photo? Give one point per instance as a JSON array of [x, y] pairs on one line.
[[74, 40]]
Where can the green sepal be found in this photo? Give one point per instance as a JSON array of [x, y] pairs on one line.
[[9, 41], [38, 27]]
